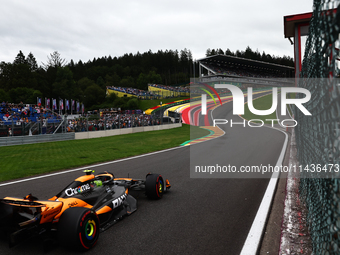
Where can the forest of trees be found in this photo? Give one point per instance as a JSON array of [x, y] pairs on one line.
[[25, 80]]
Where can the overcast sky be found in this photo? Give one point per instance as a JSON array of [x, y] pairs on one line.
[[83, 29]]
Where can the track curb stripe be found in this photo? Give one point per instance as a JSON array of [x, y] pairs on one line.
[[214, 133]]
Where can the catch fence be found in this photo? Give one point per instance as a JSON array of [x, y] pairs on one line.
[[318, 136]]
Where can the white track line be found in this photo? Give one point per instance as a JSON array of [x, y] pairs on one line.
[[251, 245], [253, 240]]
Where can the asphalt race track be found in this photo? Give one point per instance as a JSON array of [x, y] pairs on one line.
[[197, 216]]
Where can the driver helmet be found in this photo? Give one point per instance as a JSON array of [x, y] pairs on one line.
[[98, 183]]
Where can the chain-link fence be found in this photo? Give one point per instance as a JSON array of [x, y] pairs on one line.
[[318, 136]]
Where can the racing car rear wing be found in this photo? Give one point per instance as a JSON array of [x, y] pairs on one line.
[[20, 202]]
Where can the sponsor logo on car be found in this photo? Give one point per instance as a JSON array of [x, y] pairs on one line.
[[74, 203], [70, 191], [118, 201]]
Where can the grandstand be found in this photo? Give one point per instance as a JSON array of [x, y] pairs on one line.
[[169, 91], [239, 67], [154, 91], [231, 69], [131, 92], [22, 119]]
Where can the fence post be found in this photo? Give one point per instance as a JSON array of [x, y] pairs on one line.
[[66, 123], [12, 126], [41, 125]]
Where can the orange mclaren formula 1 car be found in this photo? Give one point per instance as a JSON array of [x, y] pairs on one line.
[[76, 216]]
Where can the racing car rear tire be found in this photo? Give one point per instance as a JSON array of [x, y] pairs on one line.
[[154, 186], [79, 228]]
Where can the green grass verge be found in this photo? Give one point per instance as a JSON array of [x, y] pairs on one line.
[[261, 103], [147, 104], [31, 159]]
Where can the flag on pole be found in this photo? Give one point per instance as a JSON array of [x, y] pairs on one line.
[[78, 107], [67, 104], [48, 103], [61, 104], [82, 108], [39, 101], [54, 103], [73, 105]]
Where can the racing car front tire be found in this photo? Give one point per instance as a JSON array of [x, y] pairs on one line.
[[154, 186], [79, 228]]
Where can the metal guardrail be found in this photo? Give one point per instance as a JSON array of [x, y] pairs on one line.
[[30, 139], [19, 140]]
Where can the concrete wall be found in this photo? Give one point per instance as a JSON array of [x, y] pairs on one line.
[[122, 131]]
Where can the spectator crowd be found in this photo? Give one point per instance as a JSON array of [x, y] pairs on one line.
[[112, 121], [181, 89], [143, 94], [24, 113]]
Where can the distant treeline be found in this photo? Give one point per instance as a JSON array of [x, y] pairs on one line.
[[25, 80]]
